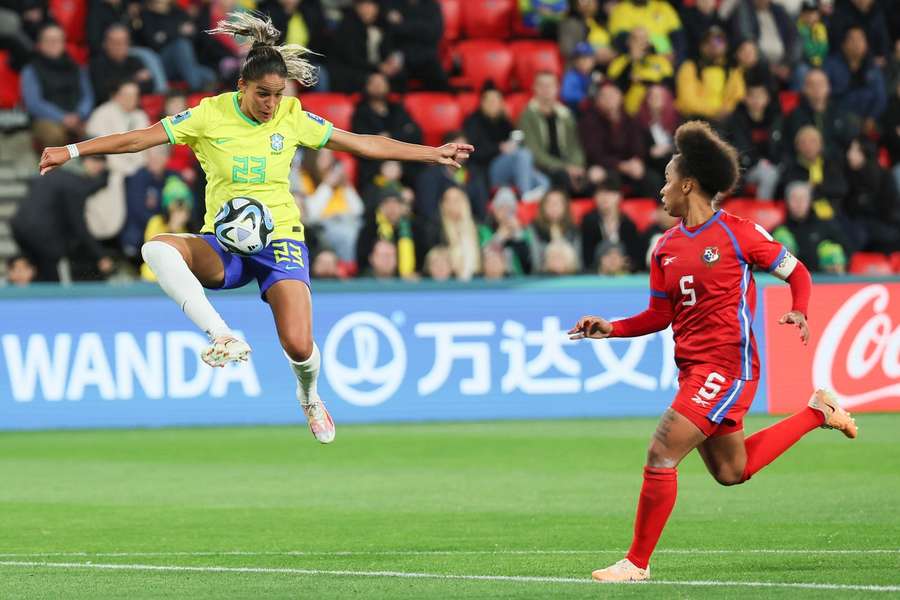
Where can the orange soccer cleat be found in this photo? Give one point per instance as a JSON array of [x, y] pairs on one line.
[[835, 417], [622, 571]]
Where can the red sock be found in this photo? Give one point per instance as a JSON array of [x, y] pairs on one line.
[[654, 507], [768, 444]]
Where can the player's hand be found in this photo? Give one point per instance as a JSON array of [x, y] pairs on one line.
[[53, 156], [796, 318], [596, 328], [452, 155]]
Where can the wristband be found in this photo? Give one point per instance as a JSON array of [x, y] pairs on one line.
[[73, 151]]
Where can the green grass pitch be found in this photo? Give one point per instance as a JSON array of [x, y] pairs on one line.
[[268, 513]]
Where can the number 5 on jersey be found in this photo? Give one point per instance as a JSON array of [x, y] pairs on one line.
[[688, 291]]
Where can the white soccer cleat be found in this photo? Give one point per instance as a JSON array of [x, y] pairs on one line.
[[622, 571], [226, 349], [320, 422], [835, 417]]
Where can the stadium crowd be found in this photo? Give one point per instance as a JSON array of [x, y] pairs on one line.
[[570, 151]]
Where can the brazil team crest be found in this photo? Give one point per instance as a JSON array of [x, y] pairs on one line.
[[277, 142], [710, 255]]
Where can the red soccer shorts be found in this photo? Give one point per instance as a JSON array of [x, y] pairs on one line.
[[715, 403]]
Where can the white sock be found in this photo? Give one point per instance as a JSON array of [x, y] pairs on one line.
[[183, 287], [307, 372]]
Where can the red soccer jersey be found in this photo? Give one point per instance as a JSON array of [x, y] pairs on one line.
[[706, 274]]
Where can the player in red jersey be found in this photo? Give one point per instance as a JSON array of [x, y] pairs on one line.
[[701, 282]]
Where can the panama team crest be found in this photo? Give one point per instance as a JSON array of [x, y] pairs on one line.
[[277, 142], [710, 255]]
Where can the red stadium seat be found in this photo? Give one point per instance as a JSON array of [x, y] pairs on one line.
[[436, 113], [337, 108], [468, 103], [580, 207], [870, 263], [895, 262], [483, 60], [452, 13], [10, 92], [195, 98], [768, 214], [527, 211], [349, 163], [70, 16], [488, 18], [533, 57], [515, 104], [789, 100], [642, 211], [153, 105]]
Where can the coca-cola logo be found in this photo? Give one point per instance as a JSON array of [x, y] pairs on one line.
[[859, 354]]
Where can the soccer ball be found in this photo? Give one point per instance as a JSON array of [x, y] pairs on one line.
[[244, 226]]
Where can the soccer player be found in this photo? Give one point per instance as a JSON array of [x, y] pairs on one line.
[[701, 282], [245, 142]]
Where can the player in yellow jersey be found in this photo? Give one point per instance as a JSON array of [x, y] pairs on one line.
[[245, 141]]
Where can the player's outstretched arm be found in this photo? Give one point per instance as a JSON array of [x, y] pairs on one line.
[[116, 143], [596, 328], [377, 147], [657, 317]]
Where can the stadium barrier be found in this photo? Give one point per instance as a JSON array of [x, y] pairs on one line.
[[106, 356]]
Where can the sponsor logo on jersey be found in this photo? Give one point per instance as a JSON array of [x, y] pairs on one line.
[[316, 118], [277, 142], [669, 260], [182, 116], [220, 141], [710, 255]]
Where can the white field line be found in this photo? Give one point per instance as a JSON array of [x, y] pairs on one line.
[[499, 552], [439, 576]]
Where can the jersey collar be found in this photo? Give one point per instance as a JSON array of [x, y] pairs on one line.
[[699, 230], [237, 109]]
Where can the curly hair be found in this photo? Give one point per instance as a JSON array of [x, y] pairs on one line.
[[265, 56], [704, 156]]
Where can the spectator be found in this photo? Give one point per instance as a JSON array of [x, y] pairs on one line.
[[391, 223], [49, 224], [891, 130], [504, 233], [753, 67], [494, 261], [435, 179], [586, 24], [107, 209], [114, 65], [389, 177], [810, 164], [19, 271], [167, 30], [872, 204], [813, 35], [659, 119], [417, 27], [438, 265], [657, 16], [708, 88], [330, 202], [326, 265], [551, 136], [866, 15], [377, 115], [836, 126], [13, 37], [103, 14], [56, 91], [607, 223], [662, 222], [697, 20], [382, 260], [177, 205], [770, 26], [803, 232], [300, 22], [856, 81], [614, 142], [460, 235], [543, 16], [363, 45], [578, 78], [639, 68], [755, 131], [143, 195], [553, 223], [219, 52], [498, 149], [612, 260], [559, 258]]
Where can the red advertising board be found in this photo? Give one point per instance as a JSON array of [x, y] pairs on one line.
[[854, 347]]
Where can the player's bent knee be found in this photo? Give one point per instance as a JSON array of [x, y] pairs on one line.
[[297, 347], [162, 243], [659, 458], [728, 477]]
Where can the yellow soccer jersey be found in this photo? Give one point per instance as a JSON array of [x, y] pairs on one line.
[[242, 157]]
